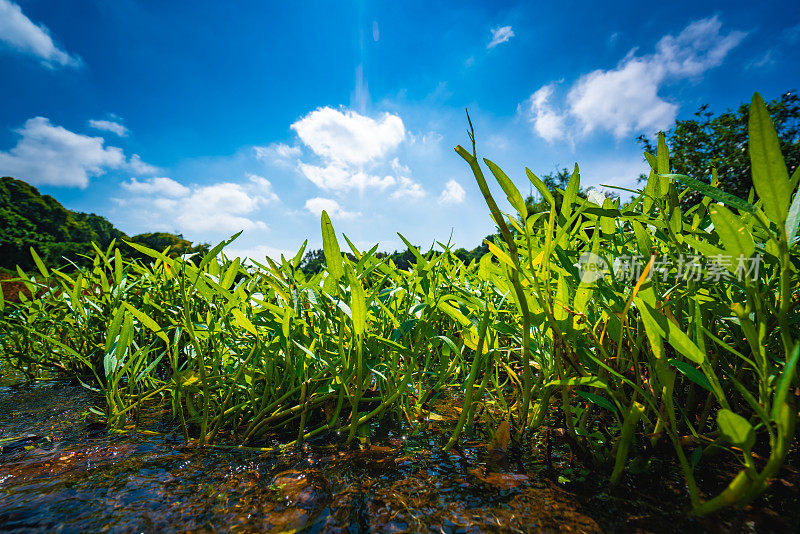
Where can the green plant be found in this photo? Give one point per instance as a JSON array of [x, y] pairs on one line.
[[629, 356]]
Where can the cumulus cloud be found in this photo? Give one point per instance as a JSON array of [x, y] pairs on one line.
[[547, 123], [452, 193], [263, 188], [625, 100], [156, 186], [338, 177], [137, 166], [406, 187], [21, 34], [335, 211], [109, 126], [500, 35], [348, 137], [220, 207], [354, 151], [52, 155]]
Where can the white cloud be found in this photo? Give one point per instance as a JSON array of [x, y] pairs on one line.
[[277, 153], [160, 186], [137, 166], [264, 188], [219, 207], [109, 126], [53, 155], [408, 188], [549, 124], [452, 193], [355, 151], [338, 177], [20, 33], [335, 211], [621, 100], [347, 137], [500, 35], [625, 100]]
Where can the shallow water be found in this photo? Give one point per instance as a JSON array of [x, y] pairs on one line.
[[73, 476]]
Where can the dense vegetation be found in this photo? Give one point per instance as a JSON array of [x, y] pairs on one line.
[[707, 142], [30, 219], [665, 338]]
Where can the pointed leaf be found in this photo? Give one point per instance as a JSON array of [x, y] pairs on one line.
[[512, 193], [732, 231], [243, 321], [770, 176], [147, 321], [713, 193], [330, 246], [39, 263]]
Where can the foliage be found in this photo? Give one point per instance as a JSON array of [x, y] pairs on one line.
[[30, 219], [708, 142], [264, 353], [556, 183], [314, 260]]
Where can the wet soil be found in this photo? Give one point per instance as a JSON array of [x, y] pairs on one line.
[[60, 472]]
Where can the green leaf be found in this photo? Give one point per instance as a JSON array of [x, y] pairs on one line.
[[147, 321], [784, 381], [668, 330], [512, 193], [243, 321], [230, 274], [578, 381], [211, 254], [598, 400], [662, 155], [571, 192], [770, 177], [691, 372], [713, 193], [732, 231], [736, 429], [299, 256], [149, 252], [330, 246], [358, 305], [539, 185], [642, 238], [117, 266], [39, 263], [706, 249], [793, 219]]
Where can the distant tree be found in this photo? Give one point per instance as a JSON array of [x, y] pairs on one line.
[[556, 183], [30, 219], [705, 141], [178, 246], [313, 262]]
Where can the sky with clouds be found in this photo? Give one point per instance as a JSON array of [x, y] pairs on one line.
[[207, 118]]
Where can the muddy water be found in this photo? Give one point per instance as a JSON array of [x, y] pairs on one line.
[[59, 473]]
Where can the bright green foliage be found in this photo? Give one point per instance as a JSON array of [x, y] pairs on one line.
[[29, 219], [272, 352], [708, 141]]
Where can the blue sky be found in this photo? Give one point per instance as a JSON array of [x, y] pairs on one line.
[[208, 117]]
